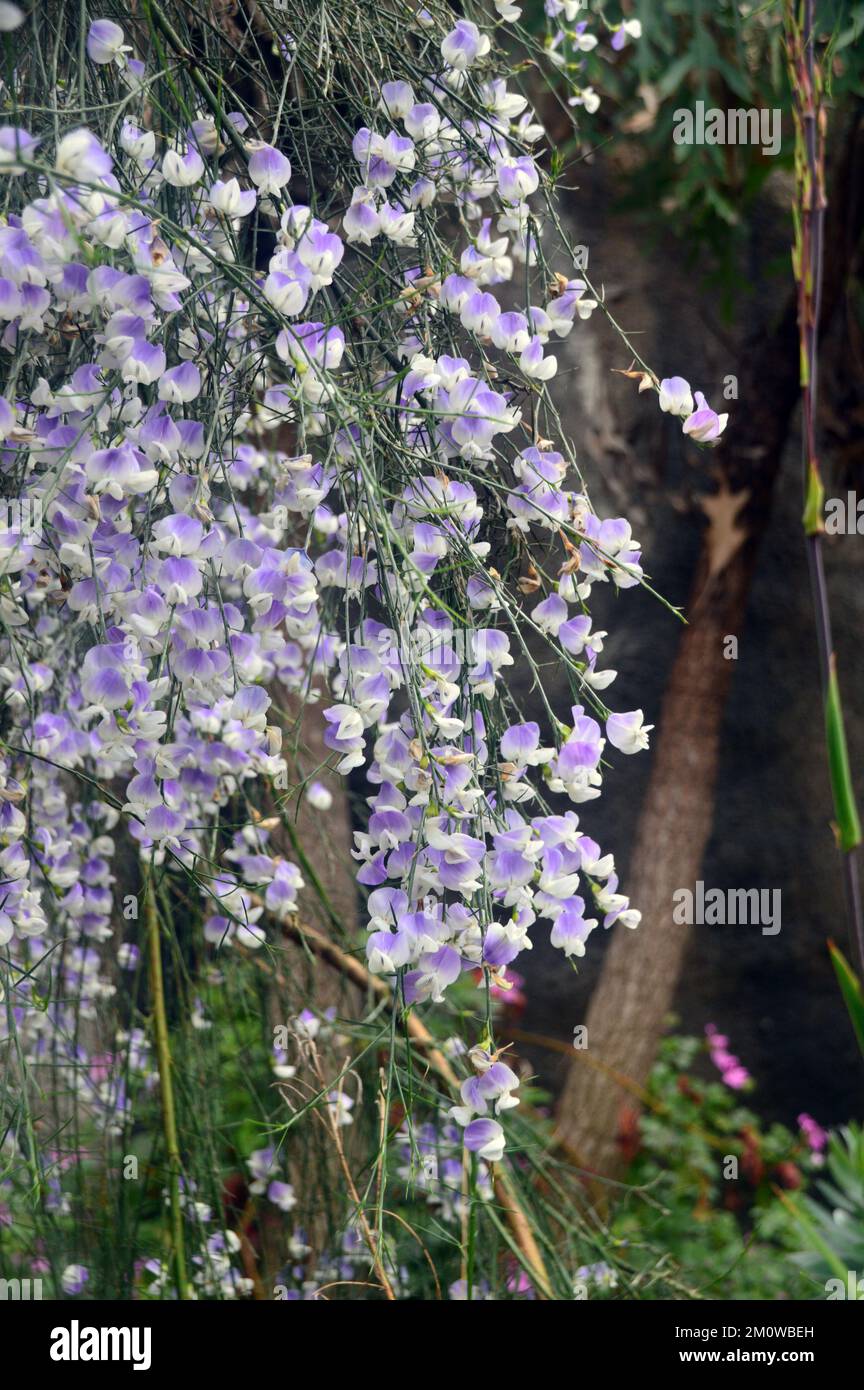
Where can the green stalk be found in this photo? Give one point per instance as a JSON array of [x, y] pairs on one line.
[[166, 1089], [807, 84]]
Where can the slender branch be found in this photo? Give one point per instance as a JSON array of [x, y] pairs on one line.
[[505, 1193], [166, 1089], [331, 1127], [810, 123]]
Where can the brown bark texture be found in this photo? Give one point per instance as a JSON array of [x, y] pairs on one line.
[[631, 1003]]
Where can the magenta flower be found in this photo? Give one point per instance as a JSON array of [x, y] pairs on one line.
[[733, 1074], [815, 1135]]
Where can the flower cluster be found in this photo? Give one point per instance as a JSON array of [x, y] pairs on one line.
[[815, 1137], [262, 475], [308, 1277], [570, 43], [430, 1163], [732, 1072], [700, 422]]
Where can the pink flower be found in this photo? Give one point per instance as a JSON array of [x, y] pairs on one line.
[[816, 1136]]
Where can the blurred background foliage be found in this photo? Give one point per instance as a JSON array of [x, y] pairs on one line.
[[728, 54]]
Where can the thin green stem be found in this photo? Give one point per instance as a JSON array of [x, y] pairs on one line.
[[166, 1087], [806, 80]]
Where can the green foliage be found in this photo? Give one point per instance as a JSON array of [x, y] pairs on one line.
[[831, 1223], [729, 55], [727, 1235], [850, 988]]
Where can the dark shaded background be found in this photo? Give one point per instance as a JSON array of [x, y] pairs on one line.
[[776, 996]]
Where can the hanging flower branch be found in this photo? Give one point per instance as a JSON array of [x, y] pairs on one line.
[[279, 421]]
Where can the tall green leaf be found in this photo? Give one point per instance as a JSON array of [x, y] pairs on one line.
[[850, 988]]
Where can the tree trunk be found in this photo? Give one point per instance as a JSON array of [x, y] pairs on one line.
[[629, 1007]]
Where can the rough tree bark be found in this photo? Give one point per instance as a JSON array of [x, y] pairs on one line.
[[629, 1007]]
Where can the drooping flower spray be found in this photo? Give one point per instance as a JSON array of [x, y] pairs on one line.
[[279, 314]]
